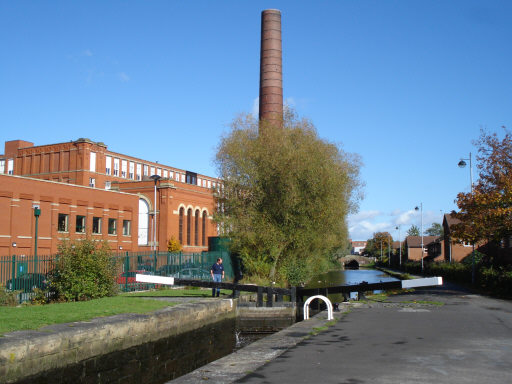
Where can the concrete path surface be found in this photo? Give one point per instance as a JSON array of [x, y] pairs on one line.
[[442, 335]]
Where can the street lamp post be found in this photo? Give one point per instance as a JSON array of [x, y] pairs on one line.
[[37, 213], [155, 179], [462, 164], [389, 250], [399, 245], [420, 208], [14, 287]]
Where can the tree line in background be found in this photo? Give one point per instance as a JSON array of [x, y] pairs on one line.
[[285, 198]]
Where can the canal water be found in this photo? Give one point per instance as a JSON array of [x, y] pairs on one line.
[[348, 277]]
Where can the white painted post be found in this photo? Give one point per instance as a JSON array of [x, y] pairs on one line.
[[425, 282], [325, 299], [164, 280]]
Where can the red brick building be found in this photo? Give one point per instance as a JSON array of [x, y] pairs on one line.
[[184, 199], [67, 212], [357, 246], [413, 249]]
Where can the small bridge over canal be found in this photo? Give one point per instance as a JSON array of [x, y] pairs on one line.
[[355, 261]]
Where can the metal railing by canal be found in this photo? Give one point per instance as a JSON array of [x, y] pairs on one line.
[[25, 273]]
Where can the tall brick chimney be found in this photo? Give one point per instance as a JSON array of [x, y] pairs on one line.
[[271, 75]]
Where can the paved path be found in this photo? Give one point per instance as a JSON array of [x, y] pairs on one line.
[[467, 339]]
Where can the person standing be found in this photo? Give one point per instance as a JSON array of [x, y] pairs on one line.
[[217, 273]]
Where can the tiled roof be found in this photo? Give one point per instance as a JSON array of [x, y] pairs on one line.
[[415, 241], [450, 220]]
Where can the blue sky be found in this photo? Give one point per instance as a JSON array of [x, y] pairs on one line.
[[405, 84]]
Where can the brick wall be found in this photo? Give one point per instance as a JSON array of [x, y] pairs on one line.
[[18, 195]]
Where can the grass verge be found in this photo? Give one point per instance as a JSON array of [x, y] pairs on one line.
[[193, 292], [27, 317], [36, 316], [325, 327], [424, 302]]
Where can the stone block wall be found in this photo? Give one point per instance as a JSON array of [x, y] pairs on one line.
[[130, 348]]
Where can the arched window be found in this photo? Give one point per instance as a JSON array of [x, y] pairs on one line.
[[180, 233], [196, 227], [189, 223], [143, 222], [205, 214]]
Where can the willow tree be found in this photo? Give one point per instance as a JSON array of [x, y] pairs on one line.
[[285, 197]]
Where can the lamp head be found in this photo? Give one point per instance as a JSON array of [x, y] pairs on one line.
[[155, 178], [461, 164], [416, 208]]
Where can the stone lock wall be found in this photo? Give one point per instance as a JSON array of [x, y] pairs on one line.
[[133, 348]]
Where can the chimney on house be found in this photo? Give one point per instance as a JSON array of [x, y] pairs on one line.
[[271, 76]]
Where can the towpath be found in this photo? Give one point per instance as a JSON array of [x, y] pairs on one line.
[[442, 335]]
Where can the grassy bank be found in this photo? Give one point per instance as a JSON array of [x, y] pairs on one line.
[[36, 316], [193, 292], [27, 317]]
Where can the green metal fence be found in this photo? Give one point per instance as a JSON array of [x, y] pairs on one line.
[[25, 273], [179, 265]]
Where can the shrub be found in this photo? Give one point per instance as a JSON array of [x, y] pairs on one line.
[[496, 280], [296, 271], [173, 245], [8, 298], [84, 270], [468, 260]]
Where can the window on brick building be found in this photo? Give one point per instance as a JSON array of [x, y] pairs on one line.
[[2, 166], [191, 178], [92, 162], [196, 228], [80, 224], [139, 172], [165, 174], [159, 171], [92, 182], [96, 225], [108, 165], [146, 170], [204, 228], [132, 171], [63, 222], [180, 229], [116, 167], [10, 166], [112, 226], [189, 224], [127, 227], [108, 185], [143, 222], [124, 168]]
